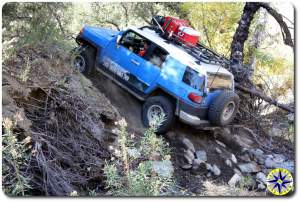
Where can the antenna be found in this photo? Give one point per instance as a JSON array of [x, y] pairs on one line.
[[214, 77]]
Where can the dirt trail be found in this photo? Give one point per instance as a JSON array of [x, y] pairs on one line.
[[127, 105]]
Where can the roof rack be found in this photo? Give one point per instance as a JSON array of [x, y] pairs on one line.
[[201, 52]]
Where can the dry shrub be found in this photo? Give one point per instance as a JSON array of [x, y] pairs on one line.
[[70, 122]]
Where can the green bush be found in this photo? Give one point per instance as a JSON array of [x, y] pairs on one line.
[[15, 158], [130, 171]]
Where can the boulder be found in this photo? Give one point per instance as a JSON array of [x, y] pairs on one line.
[[187, 144], [220, 143], [251, 167], [215, 170], [201, 155], [237, 171], [261, 177], [218, 150], [278, 161], [198, 166], [233, 159], [188, 156], [259, 155], [279, 158], [245, 158], [163, 168], [234, 180], [186, 166], [289, 165], [228, 163], [209, 167], [243, 141]]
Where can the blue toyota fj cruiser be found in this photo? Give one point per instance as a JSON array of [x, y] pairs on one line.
[[163, 74]]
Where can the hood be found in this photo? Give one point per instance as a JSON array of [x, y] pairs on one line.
[[100, 36]]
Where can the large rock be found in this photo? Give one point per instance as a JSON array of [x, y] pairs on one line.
[[237, 171], [201, 155], [234, 180], [245, 158], [163, 168], [220, 143], [279, 158], [187, 144], [261, 177], [218, 150], [233, 159], [259, 155], [243, 141], [188, 156], [278, 161], [186, 166], [199, 166], [228, 163], [216, 170], [251, 167]]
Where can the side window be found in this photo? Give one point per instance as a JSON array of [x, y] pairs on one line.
[[192, 78], [144, 48], [135, 43], [157, 56]]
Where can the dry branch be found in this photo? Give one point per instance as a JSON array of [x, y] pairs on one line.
[[264, 97]]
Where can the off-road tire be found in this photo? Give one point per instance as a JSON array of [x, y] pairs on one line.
[[88, 54], [168, 110], [215, 112]]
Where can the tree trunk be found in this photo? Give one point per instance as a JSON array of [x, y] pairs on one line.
[[237, 67], [239, 38]]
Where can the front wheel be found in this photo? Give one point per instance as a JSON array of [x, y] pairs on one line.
[[156, 106], [84, 59]]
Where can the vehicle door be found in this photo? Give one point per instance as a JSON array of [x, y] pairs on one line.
[[144, 68]]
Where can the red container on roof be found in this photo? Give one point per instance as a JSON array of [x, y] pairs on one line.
[[180, 30]]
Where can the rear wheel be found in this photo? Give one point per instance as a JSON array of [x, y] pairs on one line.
[[223, 109], [156, 106], [84, 60]]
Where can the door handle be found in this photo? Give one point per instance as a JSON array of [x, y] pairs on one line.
[[135, 62]]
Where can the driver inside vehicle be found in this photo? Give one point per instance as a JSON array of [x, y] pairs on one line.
[[144, 49]]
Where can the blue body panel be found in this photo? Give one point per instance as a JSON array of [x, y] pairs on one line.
[[140, 73], [98, 36]]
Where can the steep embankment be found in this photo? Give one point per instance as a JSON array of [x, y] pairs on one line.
[[65, 121]]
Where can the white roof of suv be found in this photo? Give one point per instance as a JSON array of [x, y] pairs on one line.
[[177, 52]]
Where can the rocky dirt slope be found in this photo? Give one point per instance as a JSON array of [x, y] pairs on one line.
[[218, 161], [69, 119]]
